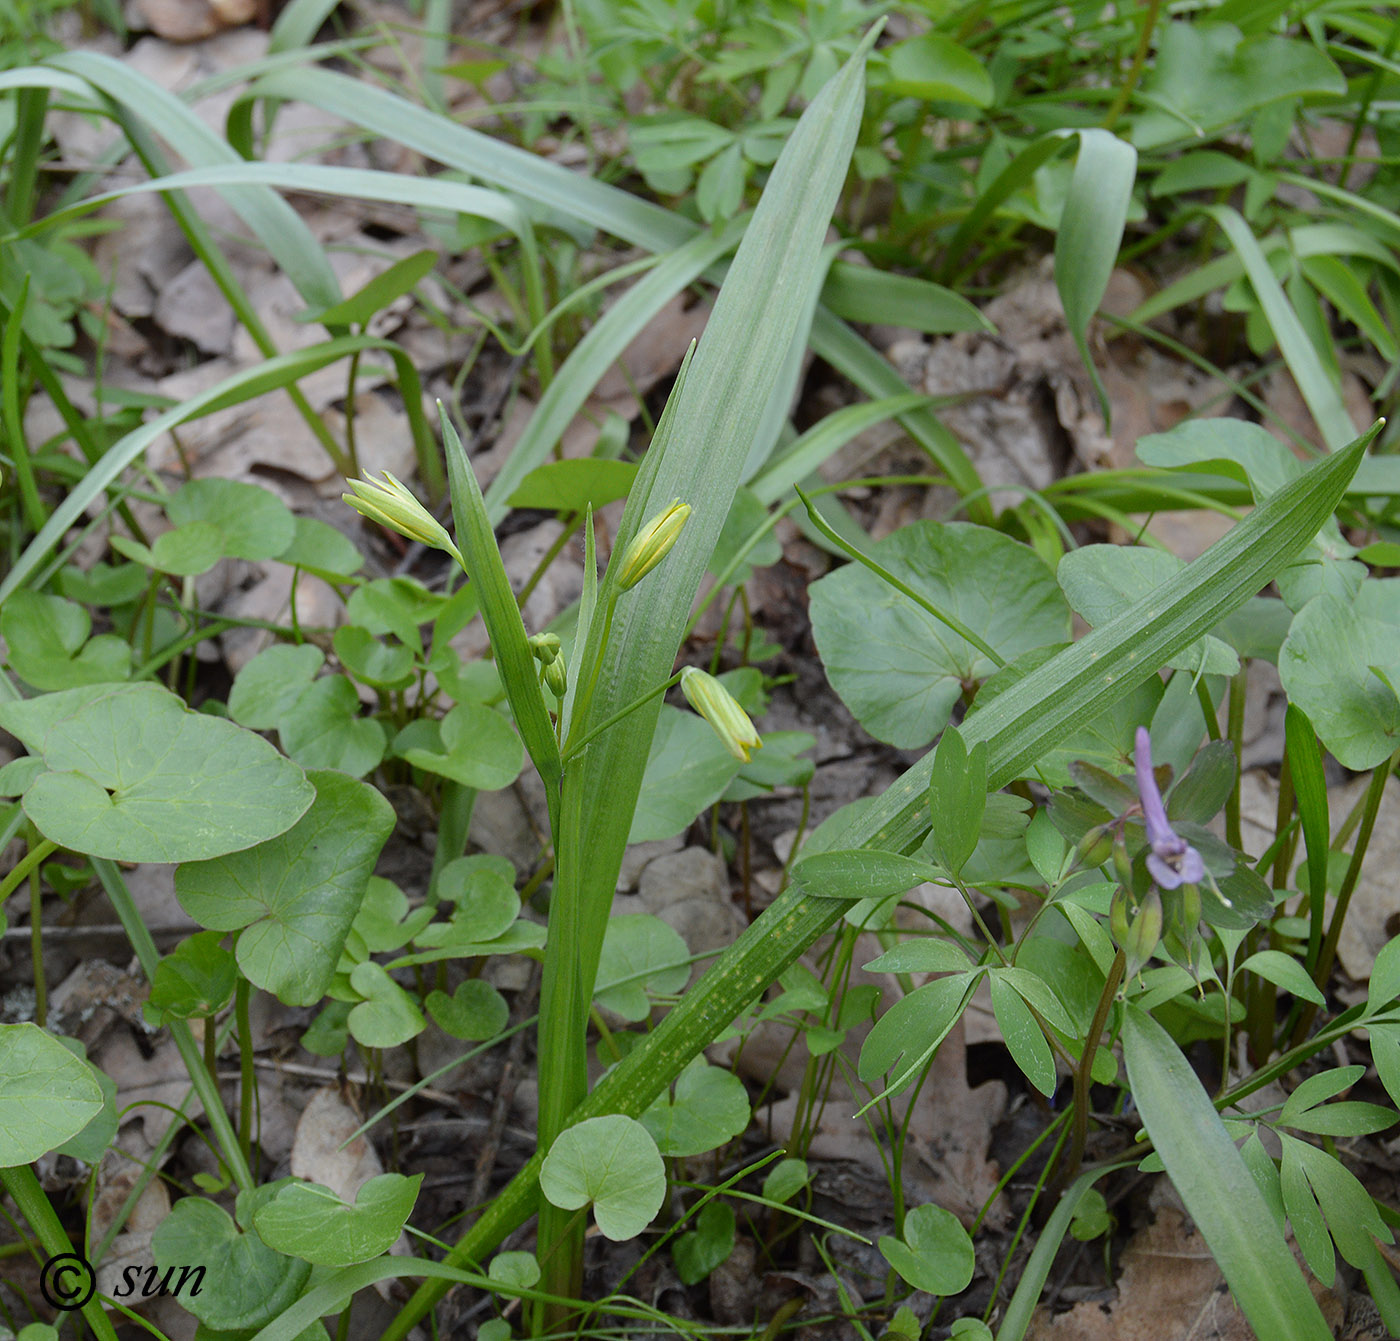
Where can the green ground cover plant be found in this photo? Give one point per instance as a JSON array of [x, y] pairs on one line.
[[1071, 712]]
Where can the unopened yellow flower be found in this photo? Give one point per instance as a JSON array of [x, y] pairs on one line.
[[394, 506], [556, 678], [652, 544], [721, 709]]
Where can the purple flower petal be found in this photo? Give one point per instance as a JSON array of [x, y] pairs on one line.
[[1172, 861]]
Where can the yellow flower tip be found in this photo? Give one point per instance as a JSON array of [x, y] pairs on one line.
[[721, 709], [390, 503], [652, 544]]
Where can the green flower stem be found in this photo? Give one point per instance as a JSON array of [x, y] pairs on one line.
[[1130, 83], [39, 852], [1374, 792], [23, 1186], [951, 621], [1083, 1073], [206, 1086], [572, 751], [246, 1081]]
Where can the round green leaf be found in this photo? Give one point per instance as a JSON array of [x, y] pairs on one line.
[[612, 1162], [194, 981], [308, 1221], [135, 776], [641, 955], [47, 644], [476, 746], [474, 1011], [268, 687], [245, 1284], [325, 730], [935, 1254], [188, 550], [688, 769], [1325, 665], [295, 896], [518, 1270], [319, 546], [705, 1247], [899, 669], [382, 665], [47, 1095], [709, 1108], [936, 69], [387, 1015], [1101, 581], [254, 523]]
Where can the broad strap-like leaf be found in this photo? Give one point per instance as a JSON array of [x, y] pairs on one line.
[[500, 613], [1216, 1187]]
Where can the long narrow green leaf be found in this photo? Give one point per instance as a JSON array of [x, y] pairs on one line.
[[1310, 787], [245, 385], [1322, 395], [501, 614], [272, 220], [595, 203], [1090, 233], [1216, 1187], [1024, 722]]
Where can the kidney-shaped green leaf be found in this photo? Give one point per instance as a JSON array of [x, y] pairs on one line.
[[613, 1162], [899, 669], [245, 1283], [311, 1222], [295, 895], [135, 776], [1326, 667], [47, 1095], [935, 1254], [709, 1108]]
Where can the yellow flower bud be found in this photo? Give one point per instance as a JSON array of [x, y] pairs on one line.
[[720, 708], [544, 647], [392, 505], [652, 544], [556, 678]]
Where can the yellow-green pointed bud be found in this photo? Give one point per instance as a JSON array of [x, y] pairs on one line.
[[556, 678], [545, 647], [1144, 933], [1184, 911], [652, 544], [1118, 915], [1121, 865], [1095, 847], [392, 505], [720, 708]]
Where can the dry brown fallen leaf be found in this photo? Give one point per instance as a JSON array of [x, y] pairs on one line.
[[1170, 1289]]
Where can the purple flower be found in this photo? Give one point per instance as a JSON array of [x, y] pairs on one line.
[[1172, 861]]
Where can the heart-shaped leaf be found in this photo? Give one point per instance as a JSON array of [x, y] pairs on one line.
[[47, 644], [268, 687], [308, 1221], [47, 1095], [1326, 666], [613, 1162], [935, 1254], [709, 1108], [135, 776], [473, 745], [897, 667], [295, 896], [245, 1285], [387, 1016], [252, 523], [641, 955], [194, 981], [324, 729], [476, 1010]]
